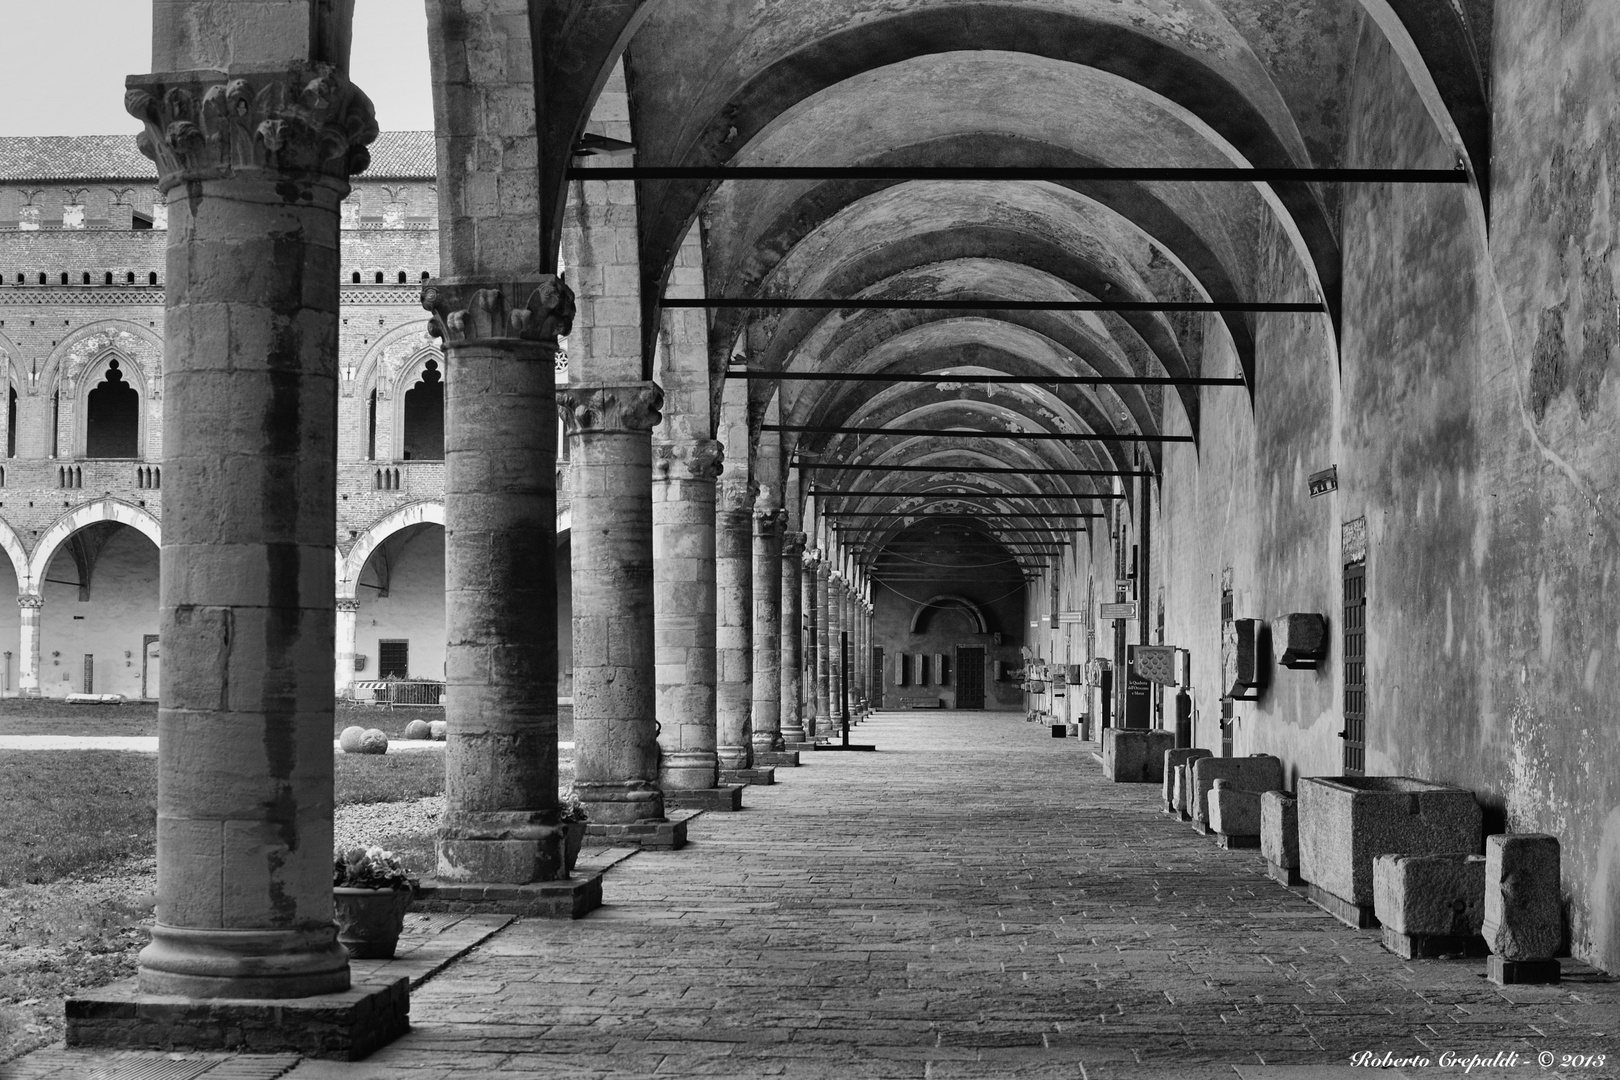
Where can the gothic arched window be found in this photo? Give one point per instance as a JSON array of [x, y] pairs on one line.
[[113, 418], [424, 416]]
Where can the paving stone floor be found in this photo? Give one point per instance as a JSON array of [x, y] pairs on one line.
[[973, 900]]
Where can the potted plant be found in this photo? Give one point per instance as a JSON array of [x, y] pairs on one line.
[[371, 890], [572, 819]]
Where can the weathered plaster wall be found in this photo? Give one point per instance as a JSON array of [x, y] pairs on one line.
[[413, 610], [121, 610]]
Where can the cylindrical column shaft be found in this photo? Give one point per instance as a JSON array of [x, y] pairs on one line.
[[348, 616], [244, 814], [29, 608], [615, 731], [810, 593], [792, 647], [733, 554], [767, 674], [501, 814], [684, 611], [825, 636]]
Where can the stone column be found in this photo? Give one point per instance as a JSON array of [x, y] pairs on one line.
[[769, 520], [826, 632], [684, 611], [253, 165], [792, 639], [615, 732], [500, 494], [29, 606], [733, 554], [810, 593], [348, 616]]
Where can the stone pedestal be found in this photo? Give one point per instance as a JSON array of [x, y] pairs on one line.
[[1256, 773], [1279, 836], [684, 612], [734, 587], [1430, 905], [756, 775], [615, 732], [1234, 815], [1135, 757], [769, 520], [501, 814], [724, 799], [1524, 920], [792, 705], [668, 834], [244, 813]]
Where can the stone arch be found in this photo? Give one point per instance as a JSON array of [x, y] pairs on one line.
[[386, 358], [13, 547], [350, 566], [920, 617], [71, 522], [83, 354]]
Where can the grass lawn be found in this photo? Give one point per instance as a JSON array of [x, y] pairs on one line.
[[47, 716]]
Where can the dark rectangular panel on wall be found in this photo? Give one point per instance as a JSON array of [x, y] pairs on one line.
[[969, 678], [901, 669], [393, 659], [1355, 669], [877, 676], [919, 669], [942, 670]]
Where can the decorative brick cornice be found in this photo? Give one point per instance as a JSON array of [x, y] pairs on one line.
[[481, 314], [203, 125], [700, 459], [608, 409]]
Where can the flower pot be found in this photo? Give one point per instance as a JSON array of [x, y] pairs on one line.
[[369, 921], [573, 840]]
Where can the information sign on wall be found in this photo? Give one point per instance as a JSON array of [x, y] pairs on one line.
[[1125, 609]]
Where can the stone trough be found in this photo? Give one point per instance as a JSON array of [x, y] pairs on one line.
[[1347, 821], [1254, 775], [1132, 756]]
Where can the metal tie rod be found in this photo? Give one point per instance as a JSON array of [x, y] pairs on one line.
[[978, 512], [1049, 436], [986, 380], [880, 303], [1052, 173], [1060, 495], [979, 470]]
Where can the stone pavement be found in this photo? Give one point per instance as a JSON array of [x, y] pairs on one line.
[[973, 900]]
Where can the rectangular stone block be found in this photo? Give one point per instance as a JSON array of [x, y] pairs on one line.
[[1183, 791], [1172, 759], [570, 898], [1135, 756], [777, 759], [345, 1027], [1234, 815], [1522, 972], [1430, 895], [761, 777], [1523, 919], [666, 835], [1257, 773], [1279, 835], [1347, 821]]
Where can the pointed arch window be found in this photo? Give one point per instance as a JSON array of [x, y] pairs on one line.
[[113, 417], [424, 416]]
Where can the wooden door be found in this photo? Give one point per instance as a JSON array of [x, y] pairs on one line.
[[969, 678]]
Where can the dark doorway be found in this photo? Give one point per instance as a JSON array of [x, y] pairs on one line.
[[1355, 669], [393, 659], [877, 677], [112, 426], [969, 678], [424, 416]]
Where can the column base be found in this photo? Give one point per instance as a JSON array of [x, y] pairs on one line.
[[250, 965], [781, 759], [1522, 972], [571, 898], [724, 798], [685, 770], [793, 732], [667, 835], [620, 803], [345, 1026], [507, 862], [760, 777], [735, 757]]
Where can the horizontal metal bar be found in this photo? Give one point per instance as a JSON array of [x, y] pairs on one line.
[[1047, 436], [981, 470], [854, 493], [977, 513], [982, 380], [878, 303], [1050, 173]]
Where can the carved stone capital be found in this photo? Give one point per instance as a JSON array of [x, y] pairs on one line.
[[736, 493], [348, 603], [483, 314], [769, 519], [611, 410], [305, 121], [793, 545], [31, 600], [823, 568], [700, 459]]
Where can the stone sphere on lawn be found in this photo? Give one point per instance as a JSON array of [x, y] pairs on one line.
[[418, 729], [349, 741], [439, 729], [374, 741]]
